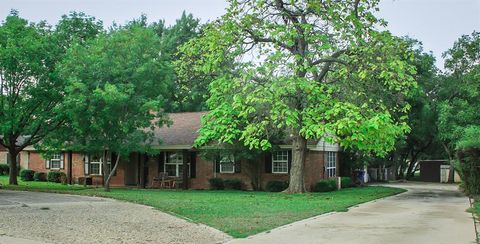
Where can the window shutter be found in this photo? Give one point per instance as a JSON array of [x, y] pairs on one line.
[[289, 160], [217, 165], [161, 162], [47, 163], [86, 161], [238, 167], [62, 160], [113, 160], [268, 162], [193, 164]]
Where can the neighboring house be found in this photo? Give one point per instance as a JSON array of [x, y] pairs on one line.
[[176, 152]]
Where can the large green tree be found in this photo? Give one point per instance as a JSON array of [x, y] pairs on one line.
[[458, 95], [307, 69], [30, 90], [115, 93]]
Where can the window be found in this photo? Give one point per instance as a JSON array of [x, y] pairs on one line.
[[55, 161], [96, 164], [280, 162], [331, 164], [227, 164], [174, 164]]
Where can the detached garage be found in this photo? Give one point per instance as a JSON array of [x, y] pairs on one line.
[[430, 170]]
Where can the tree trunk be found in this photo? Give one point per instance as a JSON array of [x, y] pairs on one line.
[[106, 187], [13, 167], [297, 184]]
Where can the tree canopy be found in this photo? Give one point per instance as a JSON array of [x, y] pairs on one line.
[[115, 93], [308, 69], [30, 90]]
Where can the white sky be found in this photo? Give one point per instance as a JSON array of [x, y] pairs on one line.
[[436, 23]]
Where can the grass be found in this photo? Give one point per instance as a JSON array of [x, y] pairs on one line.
[[476, 206], [238, 213]]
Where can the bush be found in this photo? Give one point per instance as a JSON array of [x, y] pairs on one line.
[[216, 184], [39, 176], [325, 186], [346, 182], [55, 176], [233, 184], [469, 170], [4, 169], [276, 186], [27, 174]]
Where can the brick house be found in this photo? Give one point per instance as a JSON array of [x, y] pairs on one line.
[[176, 152]]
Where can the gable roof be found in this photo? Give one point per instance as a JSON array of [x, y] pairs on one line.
[[182, 131]]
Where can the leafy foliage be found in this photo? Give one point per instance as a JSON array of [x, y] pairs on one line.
[[276, 186], [325, 186], [27, 174], [4, 169], [216, 184], [459, 92], [305, 69], [346, 182], [233, 184], [31, 91], [40, 176], [55, 176]]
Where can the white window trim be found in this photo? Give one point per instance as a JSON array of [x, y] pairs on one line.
[[177, 164], [227, 160], [329, 167], [100, 162], [59, 160], [279, 161]]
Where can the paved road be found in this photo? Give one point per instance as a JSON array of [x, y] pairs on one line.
[[427, 213], [33, 217]]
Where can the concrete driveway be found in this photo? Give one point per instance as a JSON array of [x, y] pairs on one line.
[[427, 213], [33, 217]]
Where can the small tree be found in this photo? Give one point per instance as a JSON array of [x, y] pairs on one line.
[[311, 69], [114, 96]]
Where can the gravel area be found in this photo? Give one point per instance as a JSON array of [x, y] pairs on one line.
[[58, 218]]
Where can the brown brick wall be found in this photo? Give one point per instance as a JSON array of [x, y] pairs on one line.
[[314, 163], [204, 170]]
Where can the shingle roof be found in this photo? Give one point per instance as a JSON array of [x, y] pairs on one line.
[[183, 130]]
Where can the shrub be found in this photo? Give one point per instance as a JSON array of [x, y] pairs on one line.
[[55, 176], [216, 184], [4, 169], [276, 186], [346, 182], [27, 174], [233, 184], [325, 185], [39, 176]]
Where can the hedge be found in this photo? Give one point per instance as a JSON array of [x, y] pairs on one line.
[[325, 185], [276, 186], [56, 176], [233, 184], [346, 182], [40, 176], [216, 184], [4, 169], [27, 174]]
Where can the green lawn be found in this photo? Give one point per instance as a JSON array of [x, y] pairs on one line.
[[238, 213]]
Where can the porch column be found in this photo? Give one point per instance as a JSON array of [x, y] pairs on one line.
[[69, 167], [186, 160]]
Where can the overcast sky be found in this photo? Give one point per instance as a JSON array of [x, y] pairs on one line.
[[436, 23]]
